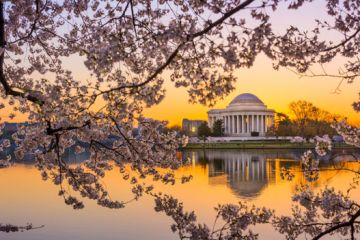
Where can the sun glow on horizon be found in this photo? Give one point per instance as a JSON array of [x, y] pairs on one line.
[[275, 88]]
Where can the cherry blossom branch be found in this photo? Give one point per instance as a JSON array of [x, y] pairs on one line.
[[12, 228], [188, 38], [52, 131], [347, 224], [347, 39], [33, 27], [8, 89]]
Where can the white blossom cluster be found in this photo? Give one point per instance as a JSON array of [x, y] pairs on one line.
[[350, 134], [234, 220], [310, 165], [323, 145], [297, 139], [4, 163], [319, 214]]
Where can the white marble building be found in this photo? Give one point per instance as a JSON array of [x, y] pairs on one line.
[[244, 115]]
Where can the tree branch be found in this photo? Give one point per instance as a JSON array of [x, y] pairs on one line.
[[343, 42], [189, 38], [8, 89], [350, 223]]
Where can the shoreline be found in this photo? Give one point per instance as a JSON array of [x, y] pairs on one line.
[[261, 145]]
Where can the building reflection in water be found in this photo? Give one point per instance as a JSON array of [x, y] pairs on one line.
[[247, 172]]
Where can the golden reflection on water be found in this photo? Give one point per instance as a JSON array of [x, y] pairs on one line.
[[219, 177]]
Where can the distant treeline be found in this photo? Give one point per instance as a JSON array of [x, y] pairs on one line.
[[307, 121]]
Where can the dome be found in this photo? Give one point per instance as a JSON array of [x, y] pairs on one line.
[[246, 98], [244, 115]]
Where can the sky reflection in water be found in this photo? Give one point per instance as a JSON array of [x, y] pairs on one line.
[[220, 176]]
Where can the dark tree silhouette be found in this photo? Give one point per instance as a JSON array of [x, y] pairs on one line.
[[204, 131], [218, 128]]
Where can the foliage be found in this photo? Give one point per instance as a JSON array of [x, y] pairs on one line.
[[235, 220], [204, 131], [12, 228], [127, 46], [309, 116], [309, 121], [218, 128], [174, 128], [303, 112]]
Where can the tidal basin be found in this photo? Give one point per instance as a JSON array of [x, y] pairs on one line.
[[220, 176]]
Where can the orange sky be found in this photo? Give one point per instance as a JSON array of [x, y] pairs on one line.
[[275, 88]]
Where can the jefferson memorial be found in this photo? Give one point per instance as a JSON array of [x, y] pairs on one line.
[[245, 116]]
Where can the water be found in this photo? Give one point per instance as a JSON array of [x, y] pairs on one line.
[[220, 176]]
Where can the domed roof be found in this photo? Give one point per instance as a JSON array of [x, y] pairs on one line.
[[246, 98]]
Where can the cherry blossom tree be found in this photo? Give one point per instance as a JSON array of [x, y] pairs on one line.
[[127, 47]]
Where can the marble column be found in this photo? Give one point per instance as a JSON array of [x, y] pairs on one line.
[[252, 123], [234, 124], [266, 123], [237, 124], [247, 123], [242, 124], [226, 124], [235, 116], [229, 124]]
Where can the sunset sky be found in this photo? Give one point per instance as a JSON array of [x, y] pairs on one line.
[[275, 88], [86, 153]]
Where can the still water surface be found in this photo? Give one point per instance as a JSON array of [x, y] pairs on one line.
[[220, 176]]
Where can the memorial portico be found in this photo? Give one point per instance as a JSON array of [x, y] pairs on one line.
[[245, 114]]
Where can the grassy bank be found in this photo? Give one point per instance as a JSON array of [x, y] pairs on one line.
[[259, 145]]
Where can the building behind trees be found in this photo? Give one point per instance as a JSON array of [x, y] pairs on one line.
[[190, 127]]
